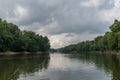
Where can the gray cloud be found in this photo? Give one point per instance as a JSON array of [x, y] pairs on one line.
[[55, 17], [106, 4]]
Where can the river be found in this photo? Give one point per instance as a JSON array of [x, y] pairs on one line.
[[59, 66]]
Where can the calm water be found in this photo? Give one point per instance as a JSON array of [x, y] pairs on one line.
[[60, 67]]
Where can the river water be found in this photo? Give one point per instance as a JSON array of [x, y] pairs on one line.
[[60, 67]]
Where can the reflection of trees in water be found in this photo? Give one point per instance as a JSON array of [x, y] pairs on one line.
[[110, 63], [13, 66]]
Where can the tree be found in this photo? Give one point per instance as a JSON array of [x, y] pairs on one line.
[[13, 39]]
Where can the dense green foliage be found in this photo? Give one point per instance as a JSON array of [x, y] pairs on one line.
[[110, 41], [13, 39]]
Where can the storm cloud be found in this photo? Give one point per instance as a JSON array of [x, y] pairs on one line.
[[71, 20]]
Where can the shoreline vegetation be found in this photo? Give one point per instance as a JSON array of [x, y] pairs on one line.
[[109, 43], [15, 41], [20, 53], [98, 52]]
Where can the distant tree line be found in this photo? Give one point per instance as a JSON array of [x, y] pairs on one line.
[[13, 39], [109, 42]]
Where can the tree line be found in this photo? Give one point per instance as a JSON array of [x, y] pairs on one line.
[[13, 39], [109, 42]]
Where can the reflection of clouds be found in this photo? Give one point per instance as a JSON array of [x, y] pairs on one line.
[[62, 63], [63, 68]]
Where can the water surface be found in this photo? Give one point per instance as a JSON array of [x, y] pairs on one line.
[[60, 67]]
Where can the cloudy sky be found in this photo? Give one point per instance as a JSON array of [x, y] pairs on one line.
[[63, 21]]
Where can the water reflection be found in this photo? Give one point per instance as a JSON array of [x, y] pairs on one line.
[[11, 67], [60, 67], [109, 63]]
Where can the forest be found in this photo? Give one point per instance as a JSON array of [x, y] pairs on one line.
[[16, 40], [110, 41]]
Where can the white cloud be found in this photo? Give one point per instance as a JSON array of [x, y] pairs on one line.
[[90, 3], [20, 11], [64, 39], [111, 14], [117, 3]]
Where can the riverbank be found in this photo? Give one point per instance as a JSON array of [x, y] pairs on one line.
[[21, 53], [99, 52], [111, 52]]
